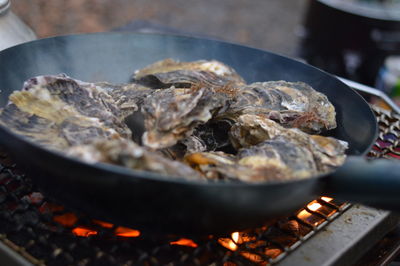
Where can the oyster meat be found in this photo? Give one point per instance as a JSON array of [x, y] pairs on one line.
[[58, 112], [292, 104]]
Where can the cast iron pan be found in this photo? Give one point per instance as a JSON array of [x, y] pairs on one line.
[[149, 202]]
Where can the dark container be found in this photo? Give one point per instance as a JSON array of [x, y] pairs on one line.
[[351, 38]]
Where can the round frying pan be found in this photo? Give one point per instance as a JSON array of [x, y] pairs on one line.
[[147, 201]]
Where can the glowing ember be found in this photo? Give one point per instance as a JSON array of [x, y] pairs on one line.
[[66, 219], [314, 206], [254, 258], [126, 232], [228, 243], [103, 224], [273, 252], [185, 242], [235, 237], [82, 231], [327, 199], [304, 214]]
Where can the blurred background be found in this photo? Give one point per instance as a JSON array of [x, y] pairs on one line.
[[355, 39], [266, 24]]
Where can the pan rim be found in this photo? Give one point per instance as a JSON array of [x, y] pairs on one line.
[[147, 175]]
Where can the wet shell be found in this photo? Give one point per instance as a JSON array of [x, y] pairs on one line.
[[128, 154], [292, 104], [171, 115], [57, 111], [128, 97], [251, 130], [168, 72]]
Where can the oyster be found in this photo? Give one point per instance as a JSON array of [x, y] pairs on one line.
[[251, 130], [57, 111], [128, 154], [292, 104], [168, 72], [211, 136], [276, 159], [172, 114], [128, 97]]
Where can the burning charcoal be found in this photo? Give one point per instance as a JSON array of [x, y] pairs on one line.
[[58, 112], [167, 73], [292, 104]]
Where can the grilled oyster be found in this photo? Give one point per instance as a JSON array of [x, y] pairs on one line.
[[128, 154], [292, 104], [251, 130], [276, 159], [128, 97], [168, 72], [211, 136], [172, 114], [57, 111]]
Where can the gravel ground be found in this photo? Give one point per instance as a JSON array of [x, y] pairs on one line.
[[265, 24]]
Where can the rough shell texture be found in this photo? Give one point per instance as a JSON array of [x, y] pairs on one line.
[[172, 114], [57, 111], [292, 104], [169, 72], [251, 129], [128, 97], [128, 154]]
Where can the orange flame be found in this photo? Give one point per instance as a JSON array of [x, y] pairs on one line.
[[66, 219], [103, 224], [185, 242], [126, 232], [314, 206], [230, 243], [82, 231], [327, 199]]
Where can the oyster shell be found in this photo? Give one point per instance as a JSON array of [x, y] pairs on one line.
[[252, 129], [168, 72], [292, 104], [172, 114], [128, 154], [276, 159], [211, 136], [57, 111], [128, 97]]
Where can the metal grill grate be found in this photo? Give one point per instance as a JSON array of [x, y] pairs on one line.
[[45, 233]]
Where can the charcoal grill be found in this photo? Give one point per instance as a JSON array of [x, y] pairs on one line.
[[36, 230]]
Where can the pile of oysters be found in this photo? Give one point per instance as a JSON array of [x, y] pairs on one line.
[[194, 120]]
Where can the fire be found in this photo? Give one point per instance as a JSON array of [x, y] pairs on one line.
[[230, 243], [314, 206], [327, 199], [103, 224], [126, 232], [235, 237], [185, 242], [66, 219], [82, 231]]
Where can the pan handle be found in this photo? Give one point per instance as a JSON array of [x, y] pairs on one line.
[[375, 183]]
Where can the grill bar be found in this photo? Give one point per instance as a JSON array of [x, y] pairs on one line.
[[345, 240]]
